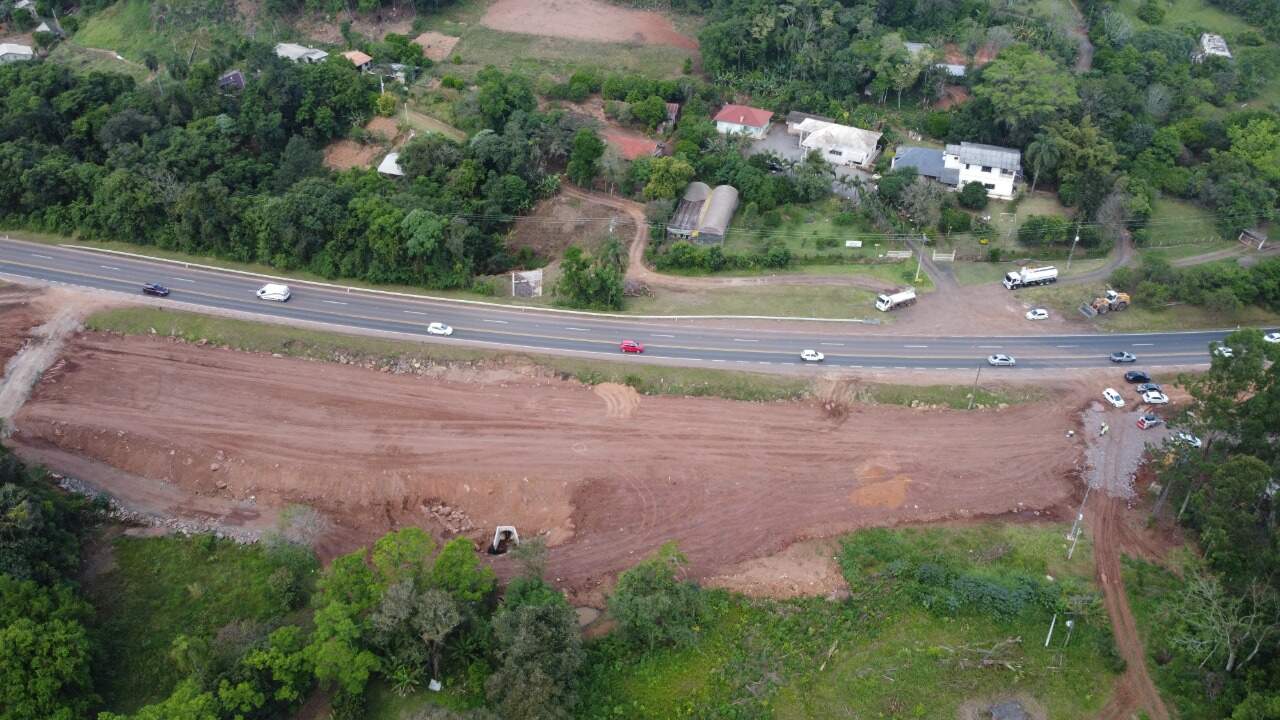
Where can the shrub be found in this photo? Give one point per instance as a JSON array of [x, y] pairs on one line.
[[973, 196], [953, 220], [1151, 12], [653, 606], [937, 124], [453, 82], [844, 219]]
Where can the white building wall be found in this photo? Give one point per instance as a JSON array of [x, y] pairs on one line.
[[728, 128], [999, 183]]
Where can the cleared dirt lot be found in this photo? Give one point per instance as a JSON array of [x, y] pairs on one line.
[[584, 20], [19, 312], [605, 474]]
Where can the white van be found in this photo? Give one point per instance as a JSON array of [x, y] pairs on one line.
[[273, 291]]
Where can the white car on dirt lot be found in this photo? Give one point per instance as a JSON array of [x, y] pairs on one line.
[[1113, 397], [1189, 440], [1037, 314], [439, 328], [812, 356], [274, 292], [1155, 397]]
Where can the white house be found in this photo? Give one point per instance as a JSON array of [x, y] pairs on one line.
[[12, 52], [300, 53], [997, 168], [28, 5], [1211, 45], [743, 120], [839, 144]]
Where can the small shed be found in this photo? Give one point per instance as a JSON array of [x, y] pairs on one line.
[[359, 59], [300, 53], [13, 52], [231, 80], [1253, 239], [703, 215]]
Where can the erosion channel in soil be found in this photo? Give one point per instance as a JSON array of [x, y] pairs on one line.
[[605, 474]]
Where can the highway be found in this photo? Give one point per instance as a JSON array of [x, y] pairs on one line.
[[845, 345]]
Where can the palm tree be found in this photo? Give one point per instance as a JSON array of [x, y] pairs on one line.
[[1043, 154]]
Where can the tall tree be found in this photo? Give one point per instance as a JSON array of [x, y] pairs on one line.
[[1026, 90], [1043, 155]]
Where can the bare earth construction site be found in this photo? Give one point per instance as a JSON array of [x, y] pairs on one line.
[[605, 474]]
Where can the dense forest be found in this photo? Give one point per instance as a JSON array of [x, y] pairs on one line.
[[190, 167]]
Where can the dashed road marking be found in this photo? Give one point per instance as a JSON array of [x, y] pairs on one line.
[[334, 302], [42, 257], [496, 322], [414, 312], [744, 340]]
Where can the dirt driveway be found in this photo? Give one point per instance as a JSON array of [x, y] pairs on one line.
[[605, 474]]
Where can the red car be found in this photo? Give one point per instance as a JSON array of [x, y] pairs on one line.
[[631, 346]]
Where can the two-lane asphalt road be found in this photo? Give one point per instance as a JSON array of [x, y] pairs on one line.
[[845, 345]]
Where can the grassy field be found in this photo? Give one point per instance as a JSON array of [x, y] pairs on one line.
[[883, 652], [128, 29], [1177, 223], [161, 588], [809, 230], [534, 55], [773, 300], [82, 59], [955, 397], [1140, 318]]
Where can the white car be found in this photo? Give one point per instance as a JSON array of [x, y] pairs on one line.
[[812, 356], [1273, 337], [1001, 360], [439, 328], [1223, 351], [1113, 397], [1189, 440], [274, 292], [1037, 314], [1155, 397]]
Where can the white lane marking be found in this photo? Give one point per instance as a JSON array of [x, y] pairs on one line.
[[334, 302], [578, 329], [717, 360], [877, 367], [832, 344], [665, 336], [991, 347], [742, 340], [899, 368], [108, 267], [915, 346], [414, 312], [496, 322], [1143, 344], [742, 362], [42, 257], [182, 280], [1066, 346], [764, 362]]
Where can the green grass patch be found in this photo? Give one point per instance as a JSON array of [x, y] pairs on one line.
[[809, 231], [1179, 223], [384, 704], [882, 651], [85, 60], [329, 346], [186, 27], [1066, 299], [955, 397], [825, 301], [161, 588]]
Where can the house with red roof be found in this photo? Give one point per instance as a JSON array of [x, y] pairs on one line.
[[743, 120]]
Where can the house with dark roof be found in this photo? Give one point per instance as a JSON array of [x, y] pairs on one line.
[[928, 162], [743, 120], [231, 80], [703, 215]]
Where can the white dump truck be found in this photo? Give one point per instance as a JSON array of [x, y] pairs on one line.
[[885, 303], [1031, 276]]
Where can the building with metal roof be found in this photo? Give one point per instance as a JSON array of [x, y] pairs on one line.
[[703, 215], [300, 53]]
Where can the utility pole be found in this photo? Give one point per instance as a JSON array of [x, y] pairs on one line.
[[974, 393], [920, 260], [1073, 247], [1077, 526]]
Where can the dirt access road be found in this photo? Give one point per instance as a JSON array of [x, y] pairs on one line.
[[606, 475]]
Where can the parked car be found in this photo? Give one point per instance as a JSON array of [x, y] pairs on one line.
[[274, 292], [1123, 357], [1137, 376], [1148, 387], [1223, 351], [1189, 440], [631, 346], [439, 328], [1155, 397], [1271, 337], [1113, 397], [1037, 314], [154, 289], [1149, 421], [1001, 360], [812, 356]]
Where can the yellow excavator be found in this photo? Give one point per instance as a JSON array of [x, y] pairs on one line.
[[1112, 301]]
